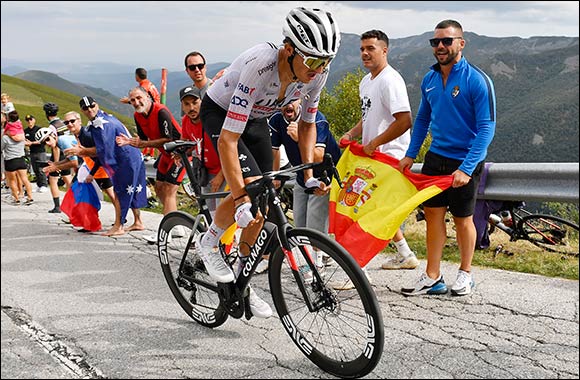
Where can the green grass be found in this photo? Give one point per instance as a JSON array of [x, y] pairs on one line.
[[520, 256], [29, 97]]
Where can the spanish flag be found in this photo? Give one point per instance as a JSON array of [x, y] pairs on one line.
[[374, 200]]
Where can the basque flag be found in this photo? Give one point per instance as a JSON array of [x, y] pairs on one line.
[[375, 200], [81, 204]]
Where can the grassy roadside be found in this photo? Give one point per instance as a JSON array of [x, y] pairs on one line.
[[520, 256]]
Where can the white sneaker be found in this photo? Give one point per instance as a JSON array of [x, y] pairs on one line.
[[258, 306], [214, 263], [151, 239], [42, 189], [178, 232], [399, 262], [262, 267], [463, 285], [348, 285]]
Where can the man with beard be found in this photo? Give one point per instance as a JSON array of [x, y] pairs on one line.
[[458, 107]]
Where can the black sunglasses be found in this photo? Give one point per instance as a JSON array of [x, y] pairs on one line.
[[71, 121], [447, 41], [86, 108], [199, 66]]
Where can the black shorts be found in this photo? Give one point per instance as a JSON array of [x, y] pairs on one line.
[[254, 146], [104, 183], [61, 173], [460, 200], [15, 164]]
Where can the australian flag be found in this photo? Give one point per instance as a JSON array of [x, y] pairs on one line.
[[123, 164]]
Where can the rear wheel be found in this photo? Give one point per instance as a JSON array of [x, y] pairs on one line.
[[551, 233], [184, 271], [341, 331]]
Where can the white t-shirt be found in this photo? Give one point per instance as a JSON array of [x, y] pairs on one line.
[[381, 97]]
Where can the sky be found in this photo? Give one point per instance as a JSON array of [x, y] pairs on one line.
[[160, 33]]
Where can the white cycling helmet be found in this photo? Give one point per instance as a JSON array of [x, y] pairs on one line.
[[312, 31], [43, 133]]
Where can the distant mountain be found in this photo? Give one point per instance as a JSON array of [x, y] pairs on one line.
[[536, 83], [103, 97]]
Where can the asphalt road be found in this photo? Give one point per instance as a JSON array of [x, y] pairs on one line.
[[82, 305]]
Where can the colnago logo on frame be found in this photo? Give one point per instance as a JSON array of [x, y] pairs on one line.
[[255, 251]]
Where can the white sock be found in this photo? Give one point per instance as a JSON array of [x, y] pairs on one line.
[[212, 236], [403, 248]]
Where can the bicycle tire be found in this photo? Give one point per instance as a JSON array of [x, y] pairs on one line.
[[550, 233], [200, 302], [345, 336]]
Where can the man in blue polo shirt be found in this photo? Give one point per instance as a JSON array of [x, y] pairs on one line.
[[309, 210], [458, 106]]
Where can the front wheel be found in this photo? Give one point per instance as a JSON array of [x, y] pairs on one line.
[[341, 331], [184, 271], [551, 233]]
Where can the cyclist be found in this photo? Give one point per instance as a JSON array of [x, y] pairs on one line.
[[258, 83]]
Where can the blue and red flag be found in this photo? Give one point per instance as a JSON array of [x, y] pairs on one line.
[[81, 204]]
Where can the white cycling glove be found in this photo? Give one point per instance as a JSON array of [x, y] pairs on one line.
[[312, 183], [243, 215]]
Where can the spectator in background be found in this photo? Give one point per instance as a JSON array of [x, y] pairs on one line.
[[37, 153], [63, 168], [386, 121], [123, 165], [197, 71], [7, 105], [146, 84], [192, 130], [309, 210], [86, 149], [14, 130], [458, 108], [51, 112], [14, 160], [156, 126]]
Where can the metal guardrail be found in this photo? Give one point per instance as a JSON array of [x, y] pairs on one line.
[[542, 182]]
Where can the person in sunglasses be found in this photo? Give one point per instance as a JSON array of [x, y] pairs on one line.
[[458, 107], [234, 112], [385, 123], [63, 168], [123, 164], [196, 69]]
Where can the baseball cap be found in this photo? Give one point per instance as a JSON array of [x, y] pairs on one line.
[[29, 117], [86, 101], [189, 91]]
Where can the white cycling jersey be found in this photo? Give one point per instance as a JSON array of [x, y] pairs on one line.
[[250, 86]]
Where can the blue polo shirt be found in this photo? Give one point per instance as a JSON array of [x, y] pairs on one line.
[[461, 115]]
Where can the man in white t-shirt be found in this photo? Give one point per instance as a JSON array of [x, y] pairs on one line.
[[386, 120]]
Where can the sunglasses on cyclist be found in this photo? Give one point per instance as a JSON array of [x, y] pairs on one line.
[[71, 121], [91, 106], [313, 63], [199, 66], [447, 41]]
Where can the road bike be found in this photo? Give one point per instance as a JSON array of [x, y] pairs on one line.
[[340, 331], [549, 232]]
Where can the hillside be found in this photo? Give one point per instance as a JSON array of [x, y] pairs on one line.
[[536, 81], [103, 97], [29, 97], [536, 84]]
